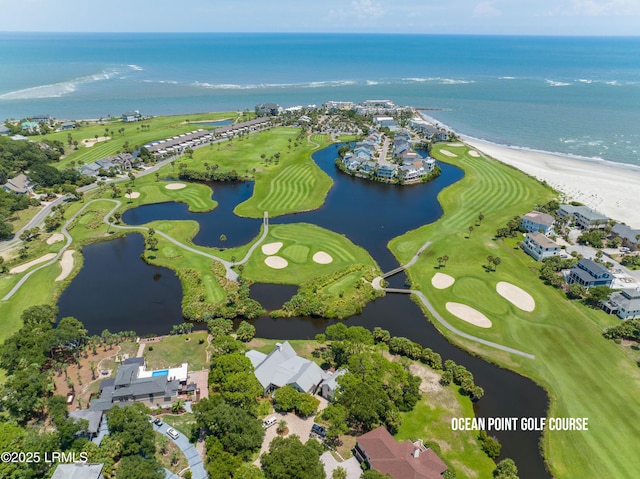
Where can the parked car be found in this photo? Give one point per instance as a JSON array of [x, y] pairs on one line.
[[270, 421], [158, 422], [172, 433], [319, 430]]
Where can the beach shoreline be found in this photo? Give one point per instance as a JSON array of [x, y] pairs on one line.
[[608, 187]]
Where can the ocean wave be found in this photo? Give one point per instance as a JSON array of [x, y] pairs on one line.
[[506, 78], [255, 86], [442, 81], [556, 83], [135, 67], [57, 90]]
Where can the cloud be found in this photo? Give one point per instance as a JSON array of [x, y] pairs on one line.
[[486, 9], [366, 9], [598, 8]]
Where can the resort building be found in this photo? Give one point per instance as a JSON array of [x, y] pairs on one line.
[[380, 451], [539, 247], [272, 109], [131, 116], [385, 121], [20, 185], [588, 273], [628, 235], [282, 367], [133, 383], [585, 217], [78, 470], [535, 221], [41, 118], [625, 304], [338, 105]]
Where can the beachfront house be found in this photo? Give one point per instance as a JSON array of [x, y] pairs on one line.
[[588, 273], [380, 451], [134, 383], [628, 235], [537, 221], [282, 366], [131, 116], [625, 304], [539, 247], [20, 185], [585, 217]]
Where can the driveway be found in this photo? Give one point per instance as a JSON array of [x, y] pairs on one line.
[[351, 465], [189, 450]]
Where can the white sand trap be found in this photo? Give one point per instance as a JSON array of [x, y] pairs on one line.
[[322, 258], [66, 263], [135, 194], [442, 281], [276, 262], [26, 266], [55, 237], [89, 142], [457, 143], [175, 186], [448, 153], [474, 153], [468, 314], [271, 248], [516, 296]]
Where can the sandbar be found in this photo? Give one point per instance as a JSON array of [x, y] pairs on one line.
[[276, 262], [271, 248], [468, 314], [607, 187], [448, 153], [175, 186], [322, 258], [26, 266], [54, 238], [66, 263], [135, 194], [516, 296], [442, 281]]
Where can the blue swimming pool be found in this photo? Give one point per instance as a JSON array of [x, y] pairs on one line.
[[162, 372]]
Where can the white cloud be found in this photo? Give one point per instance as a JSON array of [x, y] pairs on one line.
[[366, 9], [598, 8], [486, 9]]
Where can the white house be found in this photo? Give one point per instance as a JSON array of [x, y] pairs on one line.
[[535, 221], [539, 246]]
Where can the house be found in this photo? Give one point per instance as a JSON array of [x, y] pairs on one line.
[[93, 418], [588, 273], [21, 185], [387, 171], [282, 367], [272, 109], [41, 118], [19, 138], [539, 246], [67, 125], [4, 131], [385, 121], [30, 126], [537, 221], [627, 234], [131, 116], [441, 135], [330, 386], [429, 164], [368, 167], [625, 304], [78, 470], [406, 460], [133, 383], [585, 217]]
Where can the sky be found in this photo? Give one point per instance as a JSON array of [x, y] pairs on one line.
[[503, 17]]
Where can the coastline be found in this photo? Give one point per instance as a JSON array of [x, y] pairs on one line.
[[605, 186]]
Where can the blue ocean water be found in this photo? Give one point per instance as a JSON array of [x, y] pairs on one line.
[[572, 95]]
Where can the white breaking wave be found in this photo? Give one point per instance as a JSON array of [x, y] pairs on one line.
[[506, 78], [557, 83], [254, 86], [136, 68], [56, 90], [442, 81]]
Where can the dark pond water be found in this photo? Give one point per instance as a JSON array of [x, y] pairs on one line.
[[115, 283]]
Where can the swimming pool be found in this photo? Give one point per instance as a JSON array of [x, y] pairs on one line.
[[162, 372]]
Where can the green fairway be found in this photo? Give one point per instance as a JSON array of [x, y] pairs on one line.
[[196, 195], [300, 242], [584, 374]]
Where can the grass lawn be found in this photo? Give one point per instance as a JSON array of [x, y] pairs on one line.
[[174, 350], [184, 423], [584, 374], [300, 241], [196, 195]]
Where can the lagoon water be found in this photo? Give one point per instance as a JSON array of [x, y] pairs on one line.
[[574, 95]]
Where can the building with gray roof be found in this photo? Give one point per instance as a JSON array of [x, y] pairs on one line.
[[539, 247], [625, 304], [588, 273], [21, 185], [585, 217], [78, 471], [93, 418], [537, 221], [330, 386], [282, 367], [626, 233]]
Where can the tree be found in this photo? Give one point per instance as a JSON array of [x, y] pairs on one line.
[[138, 467], [152, 242], [223, 238], [339, 473], [130, 425], [286, 398], [288, 458], [219, 326], [576, 291], [248, 471], [597, 294], [246, 331], [506, 469], [470, 231], [496, 262], [282, 426], [480, 218], [489, 262], [117, 215], [490, 445]]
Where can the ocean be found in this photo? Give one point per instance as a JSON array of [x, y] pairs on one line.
[[571, 95]]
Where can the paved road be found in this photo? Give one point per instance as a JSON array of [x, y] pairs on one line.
[[189, 450]]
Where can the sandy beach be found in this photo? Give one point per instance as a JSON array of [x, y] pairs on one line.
[[610, 188]]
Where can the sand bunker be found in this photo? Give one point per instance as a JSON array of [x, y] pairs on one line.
[[442, 281], [276, 262], [271, 248], [516, 296], [55, 237], [66, 263], [135, 194], [448, 153], [474, 153], [89, 142], [468, 314], [175, 186], [26, 266], [322, 258]]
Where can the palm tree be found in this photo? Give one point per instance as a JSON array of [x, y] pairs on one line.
[[489, 262], [480, 218], [470, 231], [496, 262], [282, 426]]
